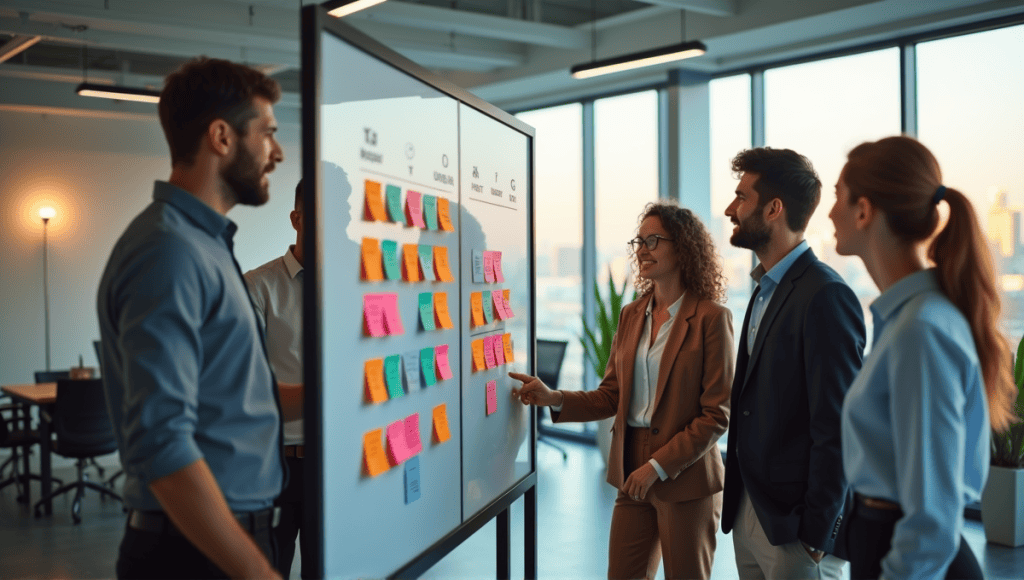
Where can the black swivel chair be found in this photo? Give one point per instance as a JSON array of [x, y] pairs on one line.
[[84, 431], [24, 438], [550, 354]]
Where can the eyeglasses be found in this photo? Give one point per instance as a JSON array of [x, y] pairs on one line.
[[651, 241]]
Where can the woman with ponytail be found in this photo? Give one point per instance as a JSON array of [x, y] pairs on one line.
[[916, 421]]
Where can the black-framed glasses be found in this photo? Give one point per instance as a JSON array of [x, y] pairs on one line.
[[651, 241]]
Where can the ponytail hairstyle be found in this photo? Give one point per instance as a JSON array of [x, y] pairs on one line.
[[901, 177]]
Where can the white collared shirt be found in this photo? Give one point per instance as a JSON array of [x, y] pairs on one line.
[[647, 366]]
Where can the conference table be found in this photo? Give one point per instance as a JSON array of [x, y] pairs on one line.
[[42, 395]]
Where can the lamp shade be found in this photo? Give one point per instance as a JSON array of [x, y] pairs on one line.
[[47, 212]]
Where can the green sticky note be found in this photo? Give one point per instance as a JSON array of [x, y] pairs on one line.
[[488, 309], [430, 211], [427, 310], [427, 366], [393, 193], [427, 261], [392, 267], [393, 375]]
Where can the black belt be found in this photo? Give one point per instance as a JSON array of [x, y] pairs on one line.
[[158, 522]]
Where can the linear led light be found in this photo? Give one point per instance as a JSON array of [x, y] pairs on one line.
[[118, 93], [639, 59], [346, 7], [17, 45]]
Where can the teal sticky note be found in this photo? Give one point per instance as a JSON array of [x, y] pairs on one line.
[[427, 366], [393, 375], [393, 194], [412, 370], [427, 310], [430, 211], [427, 261], [392, 267], [488, 308]]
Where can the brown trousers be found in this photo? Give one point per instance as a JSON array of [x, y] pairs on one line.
[[647, 531]]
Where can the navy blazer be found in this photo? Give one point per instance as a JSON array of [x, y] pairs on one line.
[[784, 436]]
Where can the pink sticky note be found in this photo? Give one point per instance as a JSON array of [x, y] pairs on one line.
[[489, 352], [498, 276], [373, 314], [499, 304], [412, 434], [414, 208], [398, 449], [392, 320], [489, 267], [507, 305], [499, 350], [492, 397], [441, 354]]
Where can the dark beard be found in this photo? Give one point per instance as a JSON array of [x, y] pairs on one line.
[[243, 177], [752, 234]]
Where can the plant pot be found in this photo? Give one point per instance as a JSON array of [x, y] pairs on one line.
[[1002, 506]]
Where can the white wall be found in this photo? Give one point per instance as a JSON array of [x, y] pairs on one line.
[[98, 173]]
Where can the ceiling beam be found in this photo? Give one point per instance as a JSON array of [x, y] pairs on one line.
[[709, 7], [17, 45]]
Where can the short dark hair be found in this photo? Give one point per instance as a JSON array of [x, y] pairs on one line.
[[203, 90], [786, 175], [298, 195]]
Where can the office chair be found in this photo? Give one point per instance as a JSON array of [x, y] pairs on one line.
[[550, 354], [23, 439], [84, 431]]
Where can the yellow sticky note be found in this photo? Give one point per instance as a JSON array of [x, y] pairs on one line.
[[444, 318], [375, 211], [411, 262], [374, 369], [441, 265], [441, 423], [444, 215], [373, 453], [478, 354], [506, 341], [372, 269], [477, 306]]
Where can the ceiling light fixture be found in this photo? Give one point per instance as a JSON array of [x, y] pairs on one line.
[[342, 8], [17, 45], [118, 93]]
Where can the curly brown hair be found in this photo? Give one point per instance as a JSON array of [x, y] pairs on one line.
[[700, 267]]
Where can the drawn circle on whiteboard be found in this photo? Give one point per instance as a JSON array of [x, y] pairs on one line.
[[444, 160]]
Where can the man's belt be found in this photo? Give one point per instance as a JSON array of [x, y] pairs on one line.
[[158, 522]]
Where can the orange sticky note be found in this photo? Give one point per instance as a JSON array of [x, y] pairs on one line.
[[477, 305], [508, 305], [375, 211], [373, 453], [411, 262], [478, 355], [375, 389], [444, 318], [372, 269], [444, 215], [507, 343], [441, 265], [441, 431]]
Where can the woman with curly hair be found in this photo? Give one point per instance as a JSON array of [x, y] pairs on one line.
[[668, 384]]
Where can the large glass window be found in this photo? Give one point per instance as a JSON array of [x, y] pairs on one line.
[[971, 116]]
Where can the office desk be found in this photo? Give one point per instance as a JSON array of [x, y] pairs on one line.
[[43, 395]]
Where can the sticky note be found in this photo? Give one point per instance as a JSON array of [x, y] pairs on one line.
[[392, 267], [412, 370], [398, 451], [505, 294], [489, 267], [371, 260], [393, 375], [393, 196], [499, 304], [412, 434], [499, 350], [373, 453], [506, 342], [374, 372], [426, 303], [444, 317], [392, 320], [478, 267], [441, 357], [477, 308], [441, 431], [374, 204], [441, 265], [410, 263], [444, 215], [489, 352], [426, 254], [492, 397], [412, 480], [414, 209], [373, 314], [430, 211], [496, 259], [478, 354], [427, 366], [487, 307]]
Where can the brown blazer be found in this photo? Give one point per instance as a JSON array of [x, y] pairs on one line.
[[691, 405]]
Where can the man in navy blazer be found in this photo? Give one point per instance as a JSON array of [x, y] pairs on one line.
[[802, 344]]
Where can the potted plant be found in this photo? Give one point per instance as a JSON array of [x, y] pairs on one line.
[[1002, 502]]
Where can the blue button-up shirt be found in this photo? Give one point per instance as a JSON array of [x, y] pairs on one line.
[[915, 424], [769, 281], [184, 366]]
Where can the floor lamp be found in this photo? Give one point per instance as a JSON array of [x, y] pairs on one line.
[[46, 213]]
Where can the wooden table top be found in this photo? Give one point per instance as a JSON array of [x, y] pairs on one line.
[[37, 393]]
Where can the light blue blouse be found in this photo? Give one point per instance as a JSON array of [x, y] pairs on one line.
[[915, 424]]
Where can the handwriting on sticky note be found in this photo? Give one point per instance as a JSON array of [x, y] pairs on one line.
[[392, 320], [444, 317], [373, 370], [412, 434], [444, 215], [476, 305], [496, 262], [392, 267], [412, 369], [414, 209], [441, 265], [508, 305], [443, 366], [412, 480], [430, 211], [492, 397], [489, 267], [478, 355], [426, 254], [393, 375], [489, 352], [478, 267], [441, 430], [410, 263], [371, 259], [373, 453], [393, 196], [427, 366], [374, 204], [506, 342], [373, 314], [499, 304], [398, 450], [488, 307], [426, 303], [499, 350]]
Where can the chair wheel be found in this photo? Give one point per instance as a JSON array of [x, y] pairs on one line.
[[76, 511]]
